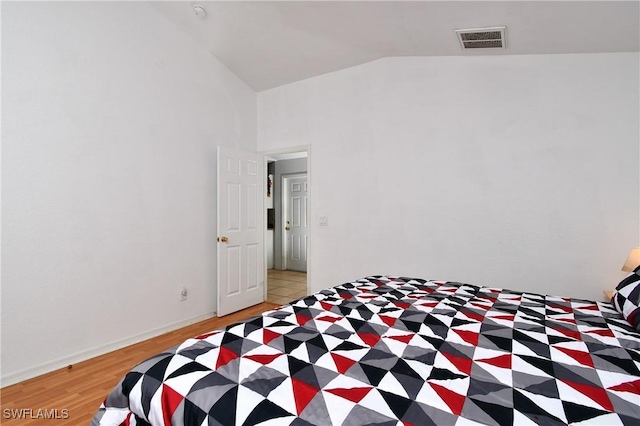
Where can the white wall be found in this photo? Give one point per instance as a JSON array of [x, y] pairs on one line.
[[111, 119], [510, 171]]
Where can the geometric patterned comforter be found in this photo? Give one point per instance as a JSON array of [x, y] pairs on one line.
[[396, 351]]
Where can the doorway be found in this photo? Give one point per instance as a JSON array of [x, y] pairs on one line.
[[286, 250], [294, 208]]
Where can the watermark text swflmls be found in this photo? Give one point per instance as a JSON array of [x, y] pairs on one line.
[[35, 413]]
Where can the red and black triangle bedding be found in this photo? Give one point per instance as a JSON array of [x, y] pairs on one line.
[[396, 351]]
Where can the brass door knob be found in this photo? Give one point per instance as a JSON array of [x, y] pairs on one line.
[[223, 239], [287, 228]]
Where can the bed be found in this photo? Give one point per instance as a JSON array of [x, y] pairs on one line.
[[397, 351]]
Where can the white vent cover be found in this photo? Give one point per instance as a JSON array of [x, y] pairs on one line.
[[483, 38]]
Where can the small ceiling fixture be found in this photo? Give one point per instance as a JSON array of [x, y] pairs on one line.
[[200, 11], [483, 38]]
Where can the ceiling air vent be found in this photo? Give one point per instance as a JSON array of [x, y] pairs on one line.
[[483, 38]]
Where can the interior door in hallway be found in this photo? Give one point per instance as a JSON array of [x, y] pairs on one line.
[[295, 222]]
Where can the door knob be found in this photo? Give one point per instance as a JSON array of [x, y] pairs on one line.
[[287, 228], [223, 239]]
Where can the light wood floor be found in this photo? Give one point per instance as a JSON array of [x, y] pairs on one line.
[[285, 286], [81, 389]]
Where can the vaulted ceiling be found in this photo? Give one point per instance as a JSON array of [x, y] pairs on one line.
[[271, 43]]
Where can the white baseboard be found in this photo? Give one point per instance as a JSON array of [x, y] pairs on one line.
[[47, 367]]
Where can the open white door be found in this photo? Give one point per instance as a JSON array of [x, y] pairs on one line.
[[241, 187]]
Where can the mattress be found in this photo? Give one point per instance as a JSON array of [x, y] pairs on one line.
[[396, 351]]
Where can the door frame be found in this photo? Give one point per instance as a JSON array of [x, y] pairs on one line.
[[271, 155], [284, 207]]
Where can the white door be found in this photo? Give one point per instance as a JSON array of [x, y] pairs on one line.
[[241, 192], [295, 222]]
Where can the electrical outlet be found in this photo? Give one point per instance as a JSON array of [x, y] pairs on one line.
[[183, 294]]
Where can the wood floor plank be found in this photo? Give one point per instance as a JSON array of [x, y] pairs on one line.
[[82, 388]]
